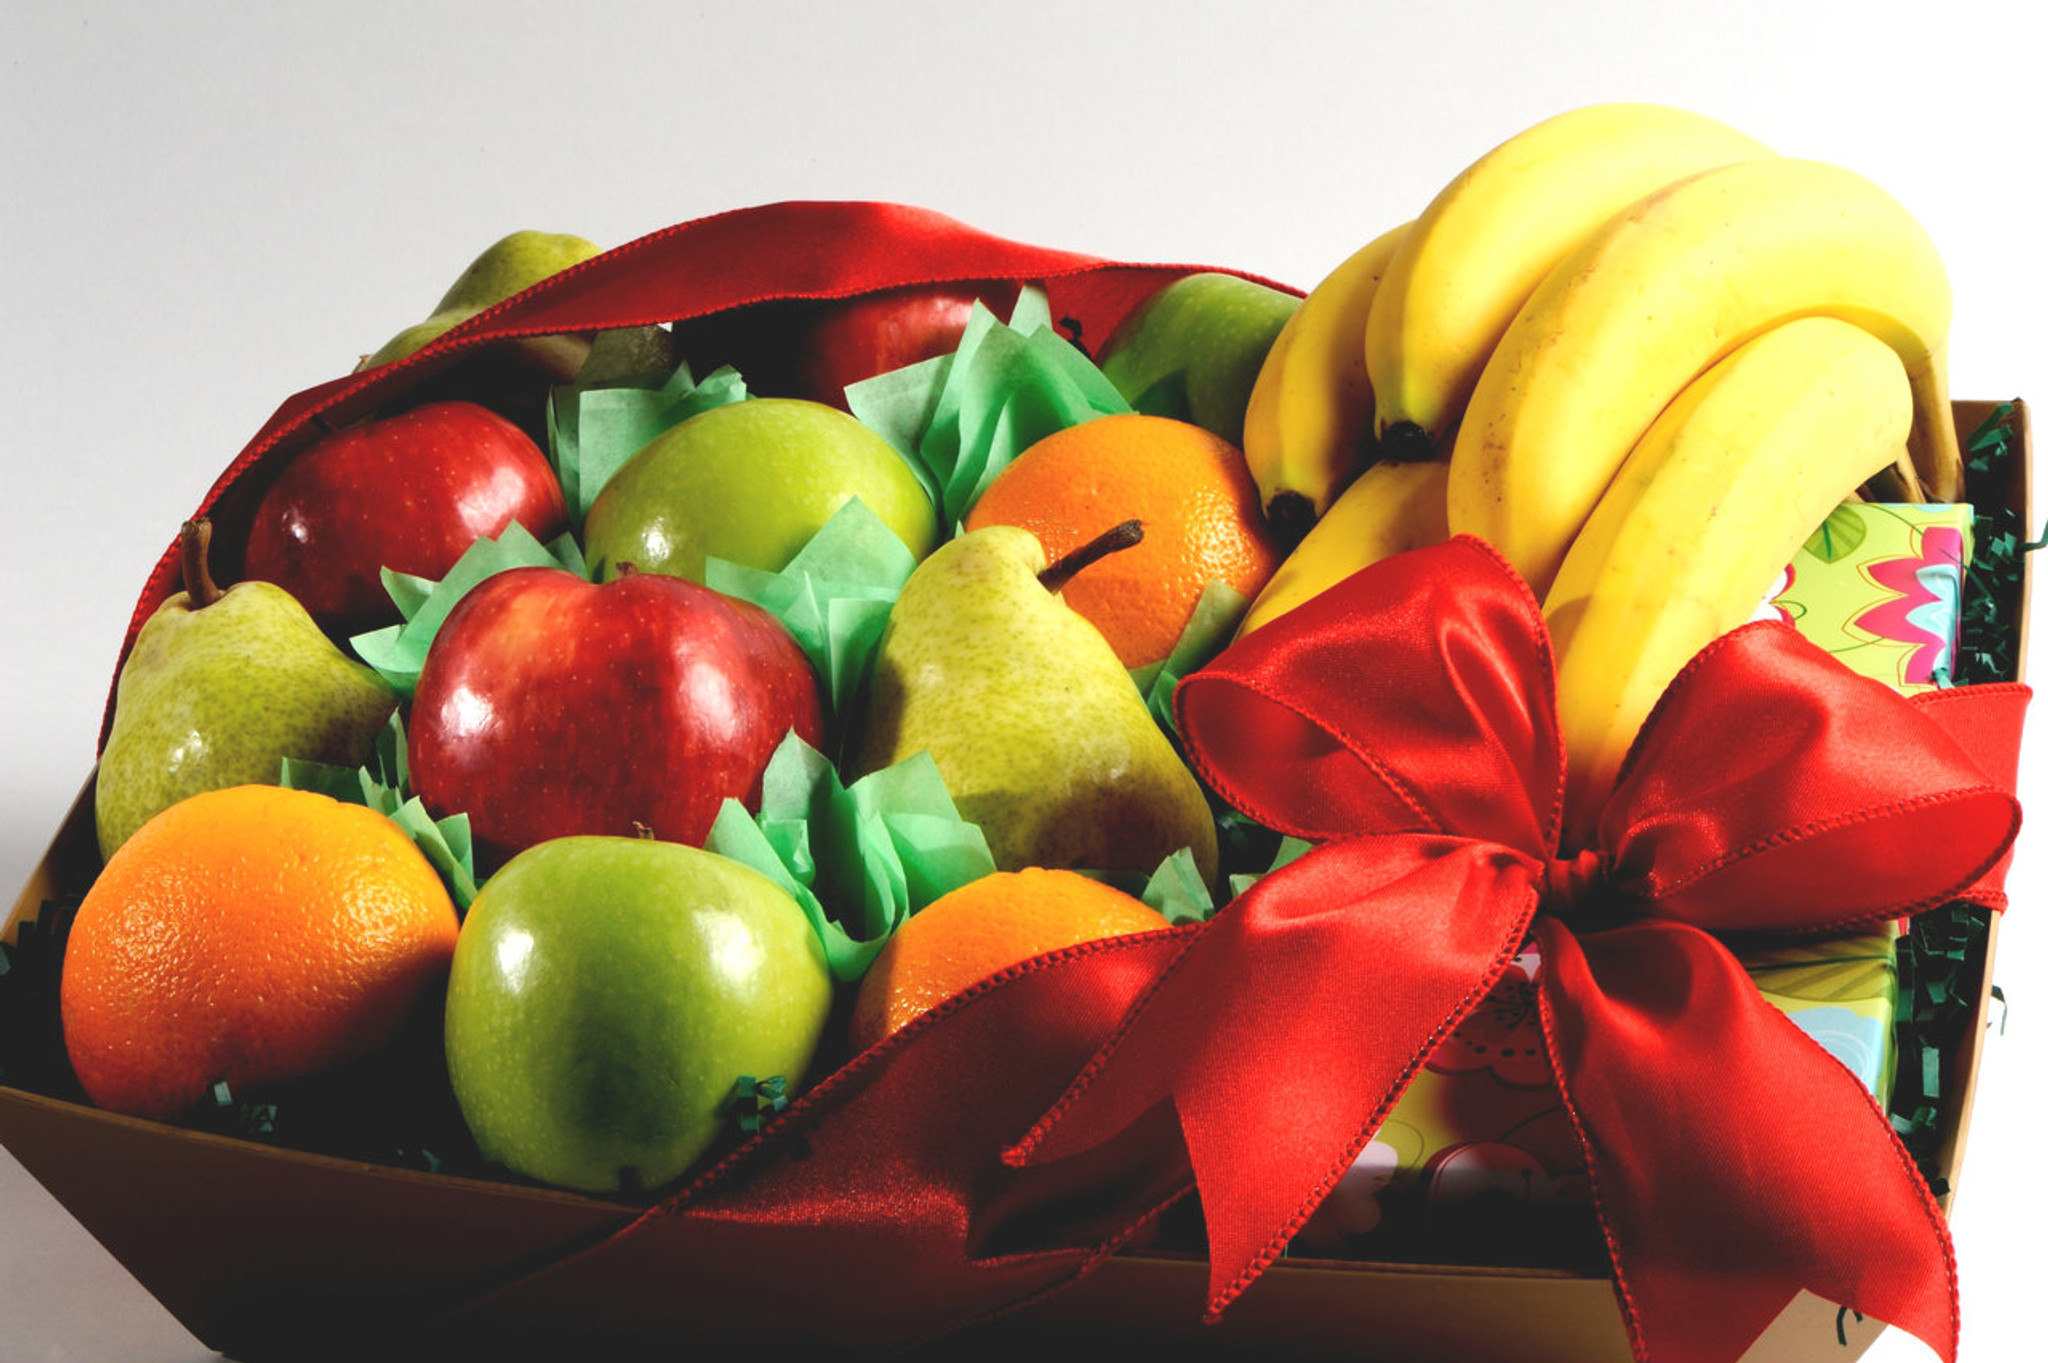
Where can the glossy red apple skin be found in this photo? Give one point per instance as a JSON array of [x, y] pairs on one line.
[[862, 337], [550, 706], [408, 492], [815, 349]]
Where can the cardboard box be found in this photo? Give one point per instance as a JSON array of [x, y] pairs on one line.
[[267, 1252]]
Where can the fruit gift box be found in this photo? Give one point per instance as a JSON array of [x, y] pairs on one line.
[[1456, 761]]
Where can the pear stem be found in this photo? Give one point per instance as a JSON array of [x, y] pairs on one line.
[[1061, 570], [194, 538]]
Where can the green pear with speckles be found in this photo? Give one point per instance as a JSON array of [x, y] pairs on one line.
[[219, 689], [1041, 735], [510, 265]]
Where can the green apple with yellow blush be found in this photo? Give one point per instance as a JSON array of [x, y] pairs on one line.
[[750, 482], [1192, 351]]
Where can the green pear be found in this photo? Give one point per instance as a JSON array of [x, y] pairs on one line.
[[1038, 730], [219, 689], [506, 267], [1192, 351]]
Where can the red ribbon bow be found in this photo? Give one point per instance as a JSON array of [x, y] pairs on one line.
[[1405, 719], [1407, 722]]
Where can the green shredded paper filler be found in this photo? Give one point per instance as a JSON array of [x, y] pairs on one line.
[[1941, 954], [1990, 629], [753, 1101], [31, 1027]]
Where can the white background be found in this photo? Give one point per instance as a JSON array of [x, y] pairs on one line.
[[208, 207]]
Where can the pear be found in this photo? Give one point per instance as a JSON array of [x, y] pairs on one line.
[[219, 689], [1040, 733], [506, 267]]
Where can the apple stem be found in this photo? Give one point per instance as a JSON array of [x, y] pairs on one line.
[[1061, 570], [194, 538]]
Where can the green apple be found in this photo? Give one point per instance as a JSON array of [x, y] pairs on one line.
[[750, 482], [606, 995], [1192, 351]]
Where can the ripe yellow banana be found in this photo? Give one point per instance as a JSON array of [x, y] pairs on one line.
[[1655, 296], [1487, 240], [1309, 420], [1704, 514], [1388, 508]]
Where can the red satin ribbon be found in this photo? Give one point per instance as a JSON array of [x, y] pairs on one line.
[[1407, 721]]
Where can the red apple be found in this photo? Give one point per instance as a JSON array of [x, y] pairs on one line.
[[814, 349], [550, 706], [408, 492], [862, 337]]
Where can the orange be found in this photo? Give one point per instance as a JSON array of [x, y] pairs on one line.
[[985, 926], [1192, 490], [251, 934]]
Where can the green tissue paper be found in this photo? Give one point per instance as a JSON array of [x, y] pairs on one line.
[[860, 859], [593, 431], [383, 784], [397, 651], [1207, 633], [834, 596], [961, 418]]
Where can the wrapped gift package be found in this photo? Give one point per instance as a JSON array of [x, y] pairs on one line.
[[1878, 587], [1466, 1228], [1478, 1160]]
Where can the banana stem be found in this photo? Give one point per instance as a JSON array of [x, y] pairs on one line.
[[1936, 454], [1899, 483]]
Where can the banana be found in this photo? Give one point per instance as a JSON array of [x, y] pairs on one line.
[[1485, 242], [1704, 514], [1659, 293], [1309, 420], [1388, 508]]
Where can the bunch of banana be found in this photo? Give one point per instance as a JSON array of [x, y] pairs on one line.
[[1660, 292], [1552, 300], [1384, 351], [1491, 236], [1705, 511]]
